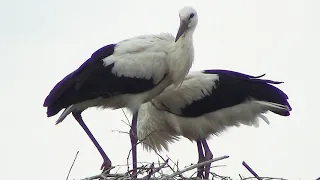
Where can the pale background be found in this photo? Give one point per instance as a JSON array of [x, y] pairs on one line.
[[42, 41]]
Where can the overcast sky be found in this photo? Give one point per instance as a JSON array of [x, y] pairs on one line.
[[43, 41]]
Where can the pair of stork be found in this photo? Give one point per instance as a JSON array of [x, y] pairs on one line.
[[149, 75]]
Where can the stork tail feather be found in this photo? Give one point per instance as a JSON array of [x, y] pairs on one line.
[[274, 106], [65, 113], [264, 118]]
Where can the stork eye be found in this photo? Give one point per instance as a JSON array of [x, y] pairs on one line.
[[191, 15]]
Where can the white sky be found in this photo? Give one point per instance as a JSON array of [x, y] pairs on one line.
[[42, 41]]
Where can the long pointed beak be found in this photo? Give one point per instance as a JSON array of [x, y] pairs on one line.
[[183, 27]]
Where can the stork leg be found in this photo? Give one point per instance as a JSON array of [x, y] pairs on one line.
[[201, 159], [208, 156], [134, 140], [106, 161]]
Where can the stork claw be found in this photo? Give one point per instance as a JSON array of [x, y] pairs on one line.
[[200, 172], [201, 159], [106, 166], [208, 156], [207, 171]]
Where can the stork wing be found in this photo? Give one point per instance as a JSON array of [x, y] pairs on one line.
[[77, 77], [111, 71], [213, 90]]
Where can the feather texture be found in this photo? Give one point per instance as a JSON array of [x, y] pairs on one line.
[[125, 74], [114, 70], [207, 104]]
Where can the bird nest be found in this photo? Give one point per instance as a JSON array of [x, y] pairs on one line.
[[168, 170], [165, 169]]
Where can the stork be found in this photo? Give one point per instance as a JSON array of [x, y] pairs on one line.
[[207, 103], [126, 74]]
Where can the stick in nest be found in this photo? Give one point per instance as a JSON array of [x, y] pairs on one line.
[[251, 170], [74, 160], [194, 166]]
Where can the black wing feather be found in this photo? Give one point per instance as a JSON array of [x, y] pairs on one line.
[[92, 80], [234, 88]]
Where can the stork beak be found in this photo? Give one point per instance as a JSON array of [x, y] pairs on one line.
[[183, 27]]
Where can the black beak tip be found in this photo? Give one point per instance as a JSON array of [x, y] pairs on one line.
[[178, 36]]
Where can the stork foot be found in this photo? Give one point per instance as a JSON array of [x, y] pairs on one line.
[[134, 154], [208, 156], [134, 141], [200, 169], [106, 166], [208, 166]]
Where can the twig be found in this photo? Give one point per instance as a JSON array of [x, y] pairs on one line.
[[219, 176], [194, 166], [164, 160], [251, 170], [92, 177], [151, 172], [72, 164], [128, 122], [139, 170], [159, 165], [212, 166], [121, 132], [156, 170], [264, 178], [174, 164]]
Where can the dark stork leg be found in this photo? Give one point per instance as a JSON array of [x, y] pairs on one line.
[[208, 156], [134, 140], [106, 161], [201, 159]]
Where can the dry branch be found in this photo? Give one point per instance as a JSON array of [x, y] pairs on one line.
[[74, 160], [153, 172], [194, 166]]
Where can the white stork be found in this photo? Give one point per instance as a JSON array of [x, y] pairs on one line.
[[207, 103], [126, 74]]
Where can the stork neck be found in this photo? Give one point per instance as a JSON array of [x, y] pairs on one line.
[[182, 58]]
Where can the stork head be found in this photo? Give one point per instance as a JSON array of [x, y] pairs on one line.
[[188, 21]]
